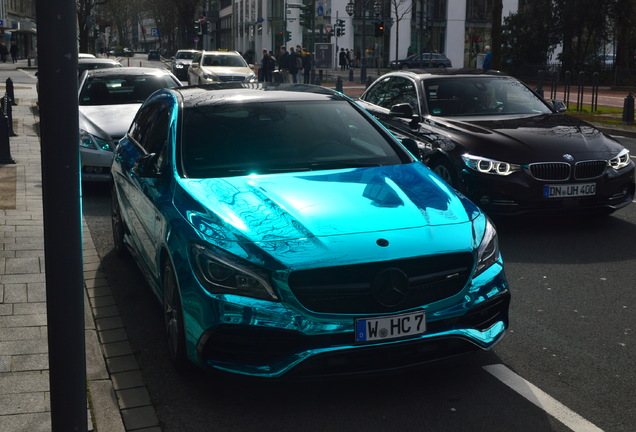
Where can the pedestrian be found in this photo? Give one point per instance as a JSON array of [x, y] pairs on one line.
[[350, 58], [3, 52], [264, 69], [14, 51], [283, 64], [488, 59], [272, 65], [295, 64], [307, 65], [342, 59]]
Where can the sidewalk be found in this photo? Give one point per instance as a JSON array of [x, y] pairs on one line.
[[118, 399]]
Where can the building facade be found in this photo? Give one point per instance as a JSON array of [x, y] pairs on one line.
[[17, 26], [459, 28]]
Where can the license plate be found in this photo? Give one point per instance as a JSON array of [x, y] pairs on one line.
[[569, 190], [390, 327]]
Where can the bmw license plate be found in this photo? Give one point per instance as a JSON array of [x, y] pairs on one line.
[[390, 327], [569, 190]]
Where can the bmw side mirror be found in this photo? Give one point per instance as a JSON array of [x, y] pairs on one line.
[[402, 110], [559, 105]]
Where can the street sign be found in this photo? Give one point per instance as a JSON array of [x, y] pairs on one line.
[[154, 32], [328, 28]]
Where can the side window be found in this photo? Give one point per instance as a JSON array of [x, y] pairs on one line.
[[141, 124], [377, 93], [396, 90]]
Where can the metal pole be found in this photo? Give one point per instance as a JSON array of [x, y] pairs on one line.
[[59, 135]]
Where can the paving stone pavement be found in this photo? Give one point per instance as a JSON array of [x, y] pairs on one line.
[[117, 398]]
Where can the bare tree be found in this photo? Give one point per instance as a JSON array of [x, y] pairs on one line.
[[85, 21], [399, 13]]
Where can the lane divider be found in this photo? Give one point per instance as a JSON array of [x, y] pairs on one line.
[[541, 399]]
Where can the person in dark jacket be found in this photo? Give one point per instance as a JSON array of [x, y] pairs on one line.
[[343, 60], [295, 64], [14, 51], [283, 64], [307, 65]]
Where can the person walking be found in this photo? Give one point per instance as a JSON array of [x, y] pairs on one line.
[[488, 59], [4, 52], [295, 64], [307, 65], [283, 64], [14, 51], [264, 71], [342, 59]]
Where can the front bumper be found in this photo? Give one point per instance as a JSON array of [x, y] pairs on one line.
[[95, 164], [262, 339], [520, 193]]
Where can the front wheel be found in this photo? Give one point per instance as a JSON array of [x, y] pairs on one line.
[[173, 319], [447, 172], [117, 225]]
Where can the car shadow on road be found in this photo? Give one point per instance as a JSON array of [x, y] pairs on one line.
[[573, 239]]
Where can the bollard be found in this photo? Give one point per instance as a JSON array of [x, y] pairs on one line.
[[351, 74], [7, 111], [539, 89], [628, 109], [29, 61], [581, 90], [10, 91], [339, 85], [566, 88], [595, 81], [363, 74], [5, 150], [318, 81]]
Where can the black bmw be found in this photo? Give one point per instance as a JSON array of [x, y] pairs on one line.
[[496, 141]]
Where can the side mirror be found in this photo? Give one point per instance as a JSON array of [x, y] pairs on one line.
[[402, 110], [559, 105], [145, 166]]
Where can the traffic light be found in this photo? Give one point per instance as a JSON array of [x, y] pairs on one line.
[[287, 36], [379, 29], [307, 14], [340, 28], [197, 27]]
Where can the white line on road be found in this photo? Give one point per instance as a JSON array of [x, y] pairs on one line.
[[541, 399]]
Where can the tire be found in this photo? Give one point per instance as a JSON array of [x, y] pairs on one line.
[[173, 320], [447, 172], [117, 225]]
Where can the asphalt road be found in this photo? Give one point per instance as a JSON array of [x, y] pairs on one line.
[[570, 349]]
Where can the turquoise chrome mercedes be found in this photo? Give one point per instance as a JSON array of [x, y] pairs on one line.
[[285, 231]]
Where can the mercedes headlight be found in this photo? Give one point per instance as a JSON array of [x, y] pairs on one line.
[[620, 161], [488, 250], [489, 166], [93, 142], [220, 275]]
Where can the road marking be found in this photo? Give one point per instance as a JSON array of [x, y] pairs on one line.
[[541, 399]]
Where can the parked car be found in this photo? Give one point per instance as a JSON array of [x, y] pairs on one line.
[[219, 66], [291, 233], [108, 101], [508, 150], [181, 61], [422, 61], [154, 55], [85, 55], [95, 63]]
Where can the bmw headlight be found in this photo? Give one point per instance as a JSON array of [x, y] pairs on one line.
[[93, 142], [488, 250], [620, 161], [179, 66], [220, 275], [489, 166]]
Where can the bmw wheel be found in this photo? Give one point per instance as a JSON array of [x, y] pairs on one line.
[[173, 318], [117, 224], [445, 170]]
